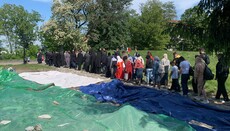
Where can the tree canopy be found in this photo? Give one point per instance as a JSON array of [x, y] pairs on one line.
[[218, 27], [19, 25]]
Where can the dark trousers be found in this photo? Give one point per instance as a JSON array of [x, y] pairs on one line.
[[184, 83], [221, 90], [194, 86], [79, 66], [108, 72], [86, 67], [175, 85]]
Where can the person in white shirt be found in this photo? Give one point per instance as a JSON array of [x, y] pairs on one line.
[[166, 65]]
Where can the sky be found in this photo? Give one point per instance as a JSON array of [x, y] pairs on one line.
[[44, 6]]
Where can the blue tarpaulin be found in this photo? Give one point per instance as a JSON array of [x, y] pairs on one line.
[[161, 102]]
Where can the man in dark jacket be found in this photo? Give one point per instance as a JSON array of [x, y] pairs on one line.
[[93, 56], [222, 71], [73, 60], [80, 59], [108, 62], [103, 60], [86, 61], [98, 62], [39, 57]]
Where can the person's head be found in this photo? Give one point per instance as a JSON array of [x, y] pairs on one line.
[[156, 58], [149, 53], [109, 54], [219, 56], [125, 58], [182, 58], [147, 57], [165, 56], [202, 51], [174, 54], [138, 55], [172, 63]]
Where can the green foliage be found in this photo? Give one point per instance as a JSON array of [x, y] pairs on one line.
[[189, 32], [218, 27], [19, 26], [108, 24], [62, 31], [32, 51], [148, 27]]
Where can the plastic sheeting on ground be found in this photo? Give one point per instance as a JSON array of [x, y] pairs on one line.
[[22, 101], [161, 102], [64, 80]]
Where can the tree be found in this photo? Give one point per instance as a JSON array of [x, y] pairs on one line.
[[108, 24], [6, 23], [21, 25], [62, 31], [147, 29], [218, 29], [190, 29]]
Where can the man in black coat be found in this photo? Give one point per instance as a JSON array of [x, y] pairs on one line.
[[86, 61], [73, 60], [108, 62], [98, 62], [103, 60], [80, 59], [93, 56]]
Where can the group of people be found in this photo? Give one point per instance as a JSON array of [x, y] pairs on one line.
[[185, 70], [123, 66]]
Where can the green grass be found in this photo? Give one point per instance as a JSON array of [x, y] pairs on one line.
[[28, 67]]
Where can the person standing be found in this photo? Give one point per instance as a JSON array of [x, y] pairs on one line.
[[156, 74], [39, 57], [67, 58], [80, 59], [184, 71], [128, 67], [149, 69], [86, 61], [120, 68], [113, 66], [174, 75], [73, 59], [108, 62], [204, 56], [199, 77], [222, 71], [166, 65], [138, 67]]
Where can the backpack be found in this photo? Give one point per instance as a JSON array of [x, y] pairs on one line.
[[191, 71], [208, 75]]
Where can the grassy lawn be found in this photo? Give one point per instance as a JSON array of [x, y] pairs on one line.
[[211, 85], [28, 67]]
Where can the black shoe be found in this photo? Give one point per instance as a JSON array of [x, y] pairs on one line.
[[226, 99]]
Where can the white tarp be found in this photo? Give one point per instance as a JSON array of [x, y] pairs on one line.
[[64, 80]]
